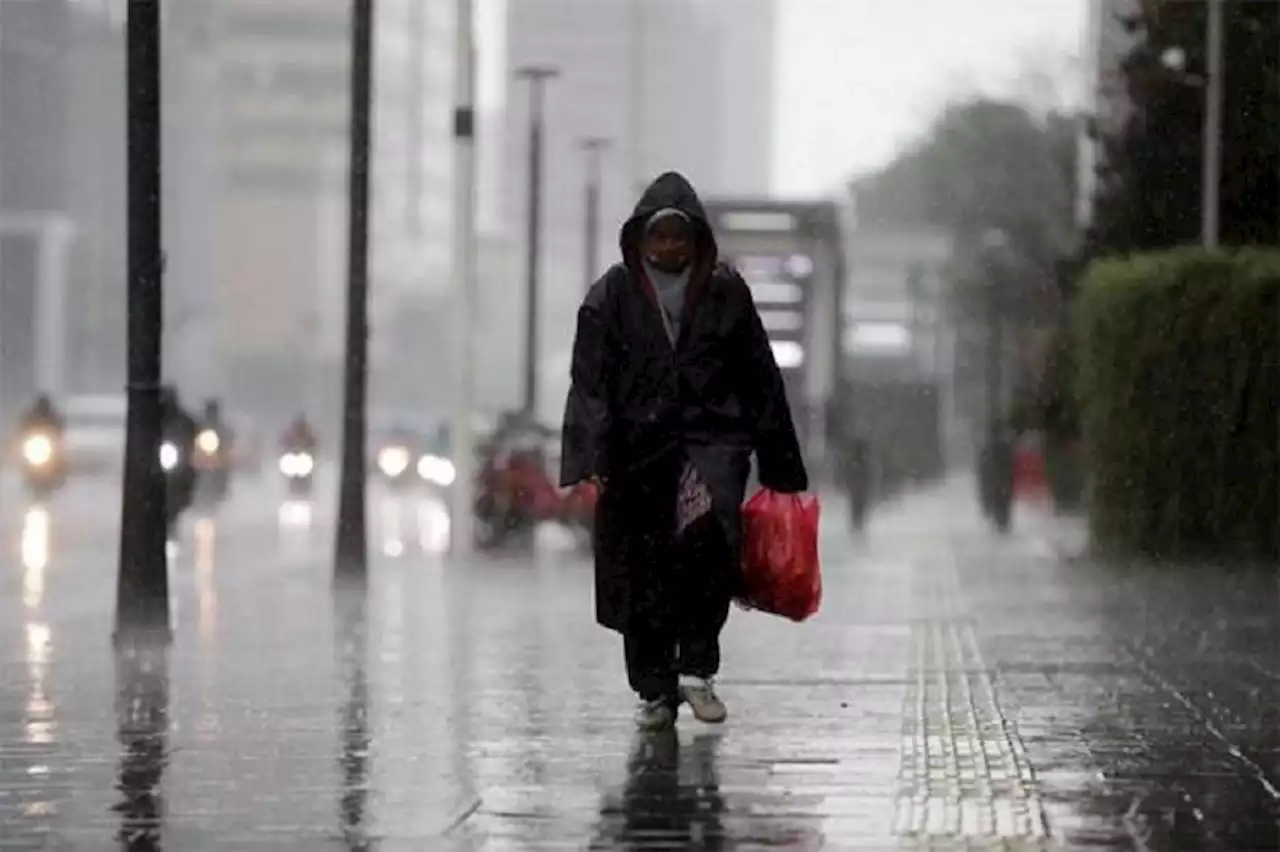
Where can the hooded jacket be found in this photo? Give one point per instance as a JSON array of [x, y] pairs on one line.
[[638, 407]]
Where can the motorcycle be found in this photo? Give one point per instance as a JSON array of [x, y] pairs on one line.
[[394, 460], [180, 481], [43, 469], [213, 467], [298, 469], [514, 495]]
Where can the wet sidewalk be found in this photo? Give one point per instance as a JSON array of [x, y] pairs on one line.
[[958, 691]]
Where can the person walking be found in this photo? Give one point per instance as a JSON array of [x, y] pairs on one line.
[[673, 386]]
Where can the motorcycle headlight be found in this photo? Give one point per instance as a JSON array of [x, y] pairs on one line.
[[297, 465], [393, 461], [437, 470], [304, 464], [208, 442], [37, 450], [169, 455]]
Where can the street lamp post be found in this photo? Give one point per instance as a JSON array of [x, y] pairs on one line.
[[1211, 164], [594, 147], [462, 440], [1175, 59], [350, 546], [142, 587], [537, 75]]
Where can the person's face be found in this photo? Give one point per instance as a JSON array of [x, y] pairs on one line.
[[669, 244]]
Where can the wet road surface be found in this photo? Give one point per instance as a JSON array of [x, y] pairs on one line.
[[958, 691]]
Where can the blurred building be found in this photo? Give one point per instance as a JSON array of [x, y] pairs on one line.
[[62, 198], [255, 138], [281, 233], [673, 84]]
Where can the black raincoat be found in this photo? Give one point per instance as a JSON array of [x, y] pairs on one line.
[[638, 408]]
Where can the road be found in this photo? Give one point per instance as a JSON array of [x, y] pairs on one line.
[[957, 691]]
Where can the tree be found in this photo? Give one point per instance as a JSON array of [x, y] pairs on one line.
[[988, 164], [1149, 187]]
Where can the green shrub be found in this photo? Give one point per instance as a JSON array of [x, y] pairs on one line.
[[1180, 396]]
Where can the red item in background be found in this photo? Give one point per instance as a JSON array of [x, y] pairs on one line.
[[780, 570], [533, 489], [1029, 480]]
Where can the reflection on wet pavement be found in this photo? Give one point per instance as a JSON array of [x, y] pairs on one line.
[[353, 718], [35, 554], [957, 692], [142, 718]]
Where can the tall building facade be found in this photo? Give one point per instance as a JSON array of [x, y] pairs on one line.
[[62, 198], [747, 67], [672, 84], [282, 210], [255, 139]]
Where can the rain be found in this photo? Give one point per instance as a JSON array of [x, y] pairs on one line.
[[639, 424]]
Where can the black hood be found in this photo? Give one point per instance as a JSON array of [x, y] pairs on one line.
[[670, 189]]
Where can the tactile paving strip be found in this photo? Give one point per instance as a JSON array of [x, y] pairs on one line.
[[965, 782]]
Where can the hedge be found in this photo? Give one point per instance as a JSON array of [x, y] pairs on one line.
[[1059, 421], [1179, 389]]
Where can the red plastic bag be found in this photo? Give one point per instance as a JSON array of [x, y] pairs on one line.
[[780, 569]]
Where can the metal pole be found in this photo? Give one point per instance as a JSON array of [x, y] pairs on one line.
[[462, 441], [593, 146], [1212, 156], [142, 589], [351, 548], [4, 418], [537, 77]]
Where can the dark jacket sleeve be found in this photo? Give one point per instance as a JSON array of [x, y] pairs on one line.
[[778, 457], [584, 439]]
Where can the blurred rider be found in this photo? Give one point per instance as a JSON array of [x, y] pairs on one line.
[[181, 429], [42, 415], [298, 436]]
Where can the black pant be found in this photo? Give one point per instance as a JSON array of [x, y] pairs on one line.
[[701, 596]]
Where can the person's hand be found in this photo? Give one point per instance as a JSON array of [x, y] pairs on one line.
[[783, 487], [599, 482]]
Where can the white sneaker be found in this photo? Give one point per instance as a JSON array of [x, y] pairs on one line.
[[655, 715], [700, 694]]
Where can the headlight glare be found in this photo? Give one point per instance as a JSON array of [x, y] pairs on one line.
[[208, 442], [437, 470], [393, 461]]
